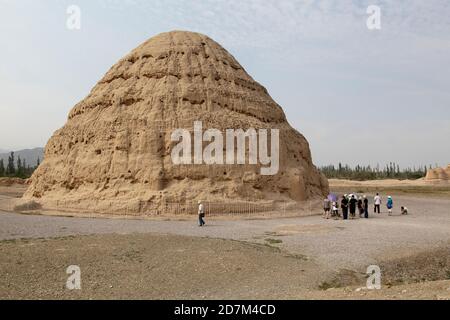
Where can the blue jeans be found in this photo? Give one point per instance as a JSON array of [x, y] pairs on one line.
[[201, 222]]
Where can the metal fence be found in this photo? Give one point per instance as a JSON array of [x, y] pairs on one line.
[[212, 208]]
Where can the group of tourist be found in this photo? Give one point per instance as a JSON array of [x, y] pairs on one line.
[[351, 204]]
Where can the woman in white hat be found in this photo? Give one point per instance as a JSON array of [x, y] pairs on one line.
[[390, 205]]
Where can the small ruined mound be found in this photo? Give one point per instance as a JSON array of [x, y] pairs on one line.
[[438, 174], [115, 148], [6, 182]]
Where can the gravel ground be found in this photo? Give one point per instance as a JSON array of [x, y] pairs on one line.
[[325, 251], [146, 266], [334, 244]]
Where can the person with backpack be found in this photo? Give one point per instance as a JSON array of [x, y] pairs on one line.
[[390, 205]]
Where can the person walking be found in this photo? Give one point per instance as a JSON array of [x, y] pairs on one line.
[[360, 207], [377, 204], [366, 207], [352, 205], [326, 208], [390, 205], [201, 214], [344, 206]]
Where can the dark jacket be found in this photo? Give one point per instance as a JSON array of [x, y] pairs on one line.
[[353, 202], [344, 204]]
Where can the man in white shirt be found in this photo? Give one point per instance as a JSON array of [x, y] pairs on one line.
[[201, 214], [377, 202]]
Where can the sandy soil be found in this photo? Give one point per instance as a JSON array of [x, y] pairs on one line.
[[384, 183], [144, 266], [420, 187], [12, 191], [150, 267]]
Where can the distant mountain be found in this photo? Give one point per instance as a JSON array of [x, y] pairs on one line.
[[30, 155]]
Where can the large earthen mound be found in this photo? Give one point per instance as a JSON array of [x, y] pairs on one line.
[[116, 145]]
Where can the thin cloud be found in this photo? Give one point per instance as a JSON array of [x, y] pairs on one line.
[[316, 57]]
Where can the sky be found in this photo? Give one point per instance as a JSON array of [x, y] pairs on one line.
[[359, 96]]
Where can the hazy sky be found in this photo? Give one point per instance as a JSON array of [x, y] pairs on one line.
[[359, 96]]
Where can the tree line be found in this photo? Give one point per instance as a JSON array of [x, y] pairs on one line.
[[390, 171], [17, 168]]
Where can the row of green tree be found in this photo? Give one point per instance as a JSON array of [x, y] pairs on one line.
[[17, 168], [390, 171]]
